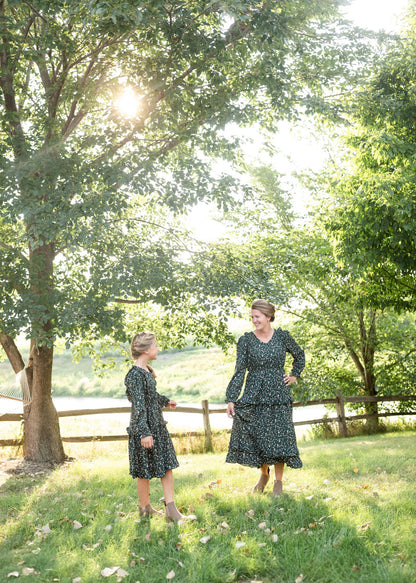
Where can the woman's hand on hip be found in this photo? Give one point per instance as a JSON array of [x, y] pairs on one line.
[[172, 404], [289, 379], [230, 410], [147, 442]]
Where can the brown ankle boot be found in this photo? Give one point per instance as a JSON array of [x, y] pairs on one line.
[[259, 487], [172, 513], [148, 510], [277, 488]]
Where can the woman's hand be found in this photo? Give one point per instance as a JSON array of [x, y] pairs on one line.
[[172, 404], [289, 379], [230, 410], [147, 442]]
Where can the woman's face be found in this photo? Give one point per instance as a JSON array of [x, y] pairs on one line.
[[153, 350], [260, 321]]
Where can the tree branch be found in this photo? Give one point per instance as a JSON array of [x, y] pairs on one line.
[[12, 352]]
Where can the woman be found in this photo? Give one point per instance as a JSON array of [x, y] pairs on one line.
[[263, 433], [151, 452]]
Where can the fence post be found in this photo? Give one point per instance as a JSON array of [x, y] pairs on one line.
[[207, 425], [342, 423]]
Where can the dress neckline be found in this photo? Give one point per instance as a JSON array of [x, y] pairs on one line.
[[261, 341], [141, 368]]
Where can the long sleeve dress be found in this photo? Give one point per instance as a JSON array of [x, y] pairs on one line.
[[263, 430], [146, 419]]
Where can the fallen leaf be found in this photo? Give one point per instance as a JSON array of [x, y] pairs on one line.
[[250, 512], [262, 525], [299, 579], [77, 525], [309, 497], [327, 482], [239, 544], [355, 470], [204, 539], [224, 525], [28, 571], [147, 536], [13, 574], [365, 525], [108, 528], [170, 575], [275, 538], [108, 571], [76, 580], [121, 573], [366, 486], [355, 568], [45, 529], [261, 544]]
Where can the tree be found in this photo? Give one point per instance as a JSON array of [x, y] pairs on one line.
[[71, 160], [372, 212]]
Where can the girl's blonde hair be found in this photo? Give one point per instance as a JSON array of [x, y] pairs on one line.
[[265, 308], [140, 343]]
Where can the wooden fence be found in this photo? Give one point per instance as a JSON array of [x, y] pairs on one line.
[[340, 418]]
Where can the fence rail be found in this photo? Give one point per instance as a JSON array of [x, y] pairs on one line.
[[339, 401]]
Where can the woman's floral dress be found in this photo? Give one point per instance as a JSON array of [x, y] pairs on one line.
[[146, 419], [263, 430]]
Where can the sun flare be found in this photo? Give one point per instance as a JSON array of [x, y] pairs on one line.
[[128, 103]]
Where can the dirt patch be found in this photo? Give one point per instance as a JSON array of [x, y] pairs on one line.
[[21, 467]]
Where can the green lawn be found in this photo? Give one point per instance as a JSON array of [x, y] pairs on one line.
[[348, 515]]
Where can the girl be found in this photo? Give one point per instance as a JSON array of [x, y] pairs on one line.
[[151, 452]]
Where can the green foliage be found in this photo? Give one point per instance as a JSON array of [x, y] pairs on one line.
[[89, 194], [372, 214]]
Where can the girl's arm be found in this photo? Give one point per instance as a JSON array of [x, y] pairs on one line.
[[135, 390]]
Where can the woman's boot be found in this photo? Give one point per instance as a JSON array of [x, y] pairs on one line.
[[264, 478], [277, 488]]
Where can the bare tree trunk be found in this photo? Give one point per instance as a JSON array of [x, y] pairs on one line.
[[41, 429], [368, 347], [42, 434]]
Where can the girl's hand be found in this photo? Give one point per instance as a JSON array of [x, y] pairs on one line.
[[147, 442], [289, 379], [172, 404], [230, 410]]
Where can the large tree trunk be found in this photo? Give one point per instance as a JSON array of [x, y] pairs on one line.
[[42, 434]]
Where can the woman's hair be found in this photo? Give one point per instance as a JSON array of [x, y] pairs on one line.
[[265, 308], [140, 343]]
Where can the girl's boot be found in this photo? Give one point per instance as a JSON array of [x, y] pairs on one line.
[[264, 478]]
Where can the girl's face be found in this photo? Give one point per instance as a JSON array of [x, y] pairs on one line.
[[153, 350], [260, 321]]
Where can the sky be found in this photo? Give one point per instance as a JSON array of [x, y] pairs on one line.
[[300, 149]]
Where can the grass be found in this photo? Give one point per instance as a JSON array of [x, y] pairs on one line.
[[348, 515], [188, 375]]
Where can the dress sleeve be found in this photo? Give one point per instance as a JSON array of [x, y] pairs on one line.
[[298, 355], [163, 401], [236, 383], [135, 394]]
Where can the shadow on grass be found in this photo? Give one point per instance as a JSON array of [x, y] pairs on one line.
[[83, 518]]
